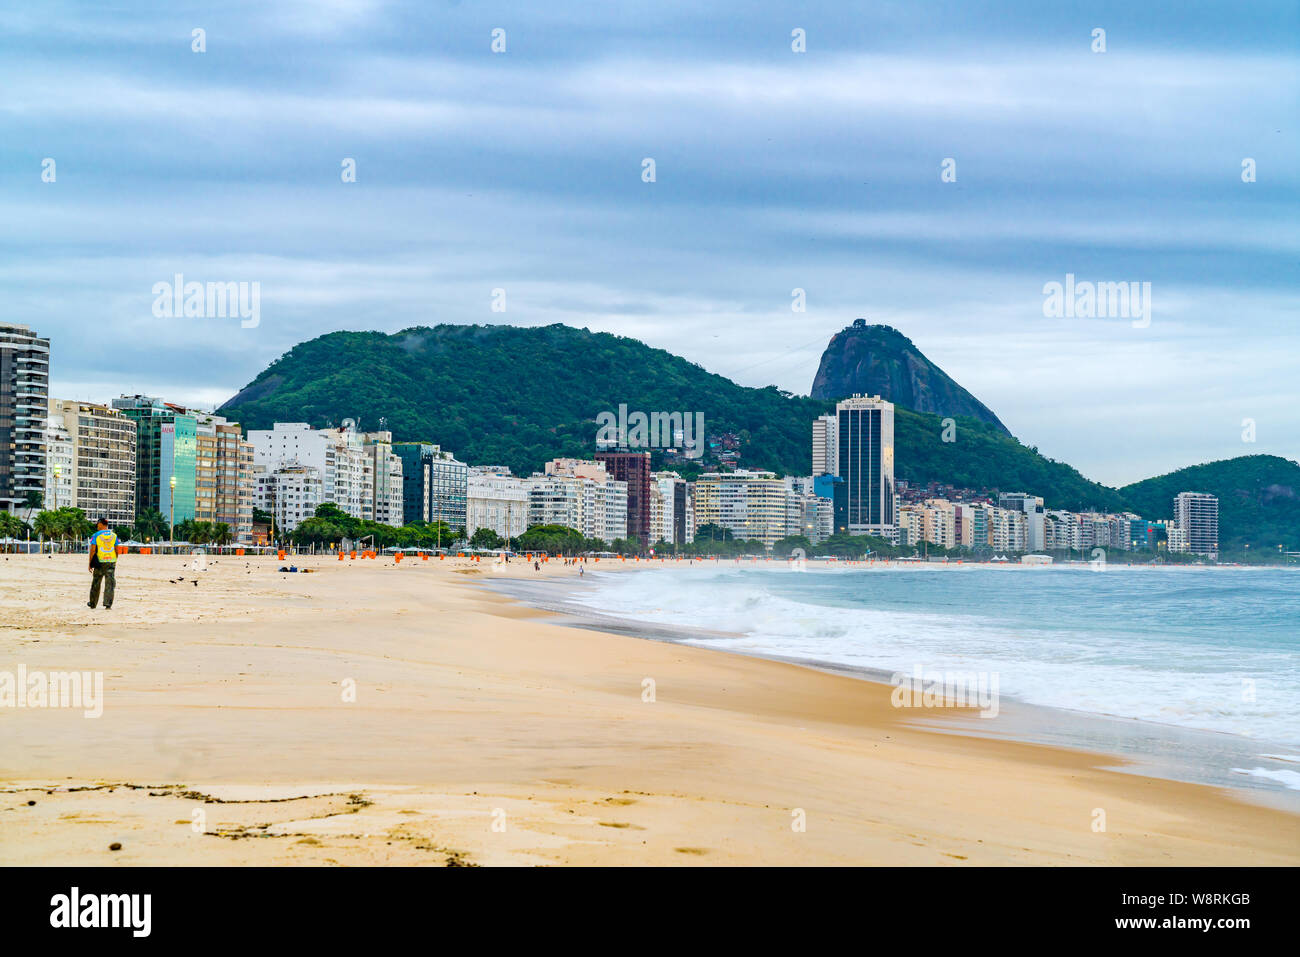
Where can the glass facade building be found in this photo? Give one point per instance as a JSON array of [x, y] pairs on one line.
[[865, 461], [166, 445]]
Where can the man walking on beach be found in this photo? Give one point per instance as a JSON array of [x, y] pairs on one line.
[[103, 564]]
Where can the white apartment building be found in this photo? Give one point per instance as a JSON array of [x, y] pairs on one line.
[[1032, 506], [386, 469], [497, 500], [1008, 530], [672, 513], [345, 466], [911, 525], [806, 513], [1197, 515], [1175, 537], [661, 512], [825, 445], [579, 494], [1062, 531], [60, 467], [939, 523], [289, 493], [1081, 531]]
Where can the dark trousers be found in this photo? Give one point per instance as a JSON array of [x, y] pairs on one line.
[[104, 572]]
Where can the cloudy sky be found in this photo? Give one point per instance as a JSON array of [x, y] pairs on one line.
[[774, 170]]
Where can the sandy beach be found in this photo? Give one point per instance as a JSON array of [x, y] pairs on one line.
[[483, 732]]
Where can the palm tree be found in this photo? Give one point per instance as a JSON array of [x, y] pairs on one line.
[[150, 525], [221, 533], [200, 533], [46, 524], [33, 500], [11, 526], [73, 524]]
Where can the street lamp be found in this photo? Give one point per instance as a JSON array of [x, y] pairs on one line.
[[58, 470], [171, 532]]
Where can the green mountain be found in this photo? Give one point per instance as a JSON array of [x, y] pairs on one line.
[[1259, 499], [880, 360], [505, 395]]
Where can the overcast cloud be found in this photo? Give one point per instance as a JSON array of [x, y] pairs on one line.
[[775, 170]]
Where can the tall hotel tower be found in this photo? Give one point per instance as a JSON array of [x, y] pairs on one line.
[[864, 433]]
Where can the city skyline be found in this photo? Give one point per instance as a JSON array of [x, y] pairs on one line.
[[775, 171]]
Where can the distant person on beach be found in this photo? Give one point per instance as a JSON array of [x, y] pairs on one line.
[[103, 564]]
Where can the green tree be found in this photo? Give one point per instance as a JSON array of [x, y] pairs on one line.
[[150, 525], [46, 525], [11, 526], [782, 547], [63, 524], [485, 538]]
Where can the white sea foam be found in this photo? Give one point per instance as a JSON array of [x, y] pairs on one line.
[[1043, 655], [1291, 779]]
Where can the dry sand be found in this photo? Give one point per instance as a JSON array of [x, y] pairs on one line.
[[484, 733]]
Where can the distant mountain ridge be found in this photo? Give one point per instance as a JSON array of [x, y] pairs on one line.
[[880, 360], [1259, 498], [508, 395]]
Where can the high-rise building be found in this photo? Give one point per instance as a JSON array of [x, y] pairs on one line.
[[386, 467], [166, 447], [672, 518], [415, 492], [223, 476], [634, 469], [60, 465], [1032, 506], [864, 437], [103, 453], [497, 500], [24, 395], [751, 505], [1197, 515], [824, 445], [1008, 530], [434, 484]]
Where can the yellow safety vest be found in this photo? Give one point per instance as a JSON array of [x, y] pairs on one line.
[[106, 546]]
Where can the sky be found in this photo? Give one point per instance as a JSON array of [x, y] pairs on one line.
[[774, 170]]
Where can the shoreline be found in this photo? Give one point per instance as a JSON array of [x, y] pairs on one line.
[[1138, 746], [223, 704]]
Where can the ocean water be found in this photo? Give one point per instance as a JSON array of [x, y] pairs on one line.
[[1215, 649]]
